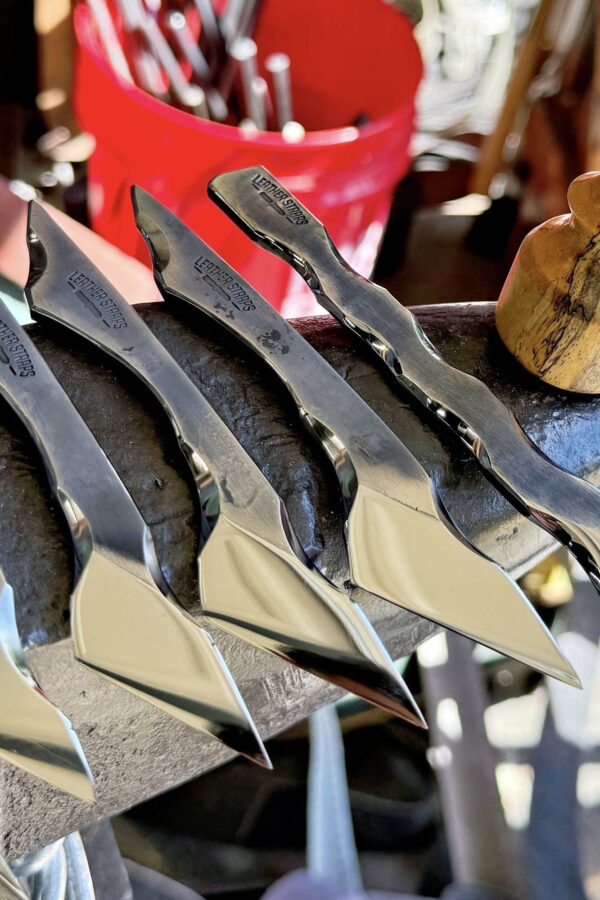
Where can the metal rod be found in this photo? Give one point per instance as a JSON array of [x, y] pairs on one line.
[[149, 75], [188, 47], [278, 66], [147, 71], [217, 106], [261, 102], [190, 50], [293, 132], [248, 127], [245, 24], [481, 846], [243, 51], [211, 33], [110, 39], [190, 96], [132, 14], [230, 20]]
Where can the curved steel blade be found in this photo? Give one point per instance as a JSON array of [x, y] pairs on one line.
[[392, 508], [125, 622], [244, 578], [254, 579], [566, 506], [34, 734]]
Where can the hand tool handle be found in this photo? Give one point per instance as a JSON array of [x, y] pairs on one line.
[[548, 313], [97, 506], [566, 506], [84, 300]]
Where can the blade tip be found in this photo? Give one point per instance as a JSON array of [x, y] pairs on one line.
[[86, 791], [140, 201], [413, 716], [263, 760], [248, 743], [569, 677]]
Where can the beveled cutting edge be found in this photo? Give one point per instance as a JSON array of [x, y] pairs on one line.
[[566, 506], [125, 622], [34, 733], [254, 579], [392, 509]]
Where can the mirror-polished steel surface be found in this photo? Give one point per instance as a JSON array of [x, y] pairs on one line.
[[392, 509], [254, 579], [125, 622], [566, 506], [34, 734], [9, 886]]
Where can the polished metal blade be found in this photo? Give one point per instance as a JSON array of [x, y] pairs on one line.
[[566, 506], [34, 734], [248, 537], [125, 622], [259, 590], [161, 655], [393, 511]]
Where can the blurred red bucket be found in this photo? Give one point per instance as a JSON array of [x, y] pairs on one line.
[[351, 59]]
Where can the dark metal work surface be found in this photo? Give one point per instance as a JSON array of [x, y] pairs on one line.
[[135, 751]]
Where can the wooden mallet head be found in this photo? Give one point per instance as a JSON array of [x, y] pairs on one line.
[[548, 314]]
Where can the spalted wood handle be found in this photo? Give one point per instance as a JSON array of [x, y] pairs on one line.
[[548, 314]]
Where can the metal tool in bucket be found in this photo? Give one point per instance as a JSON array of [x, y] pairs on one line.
[[346, 172]]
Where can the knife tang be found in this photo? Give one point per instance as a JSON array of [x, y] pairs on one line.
[[89, 305], [96, 505], [564, 505]]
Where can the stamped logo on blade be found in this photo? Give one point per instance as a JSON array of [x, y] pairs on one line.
[[96, 300], [223, 285], [13, 353], [282, 202]]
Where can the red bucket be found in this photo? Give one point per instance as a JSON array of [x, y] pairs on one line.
[[349, 60]]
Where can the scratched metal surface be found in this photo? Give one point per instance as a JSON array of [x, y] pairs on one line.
[[135, 751]]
